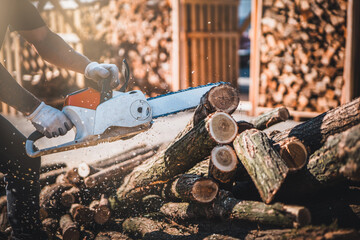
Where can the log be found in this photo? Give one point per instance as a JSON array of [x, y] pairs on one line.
[[151, 229], [69, 229], [294, 153], [243, 125], [223, 164], [81, 214], [50, 167], [48, 178], [70, 196], [72, 176], [270, 118], [116, 172], [328, 167], [180, 156], [314, 132], [314, 232], [85, 170], [262, 162], [222, 98], [51, 226], [50, 199], [190, 187], [131, 153], [101, 210], [227, 207], [109, 235]]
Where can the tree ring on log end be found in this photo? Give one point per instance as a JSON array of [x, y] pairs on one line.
[[294, 154], [224, 98], [205, 190], [224, 158], [302, 215], [222, 127]]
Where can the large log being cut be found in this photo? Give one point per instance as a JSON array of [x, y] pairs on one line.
[[181, 155]]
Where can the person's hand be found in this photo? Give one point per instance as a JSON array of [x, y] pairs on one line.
[[50, 121], [97, 72]]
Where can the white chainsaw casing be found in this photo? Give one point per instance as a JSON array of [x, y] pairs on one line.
[[128, 109]]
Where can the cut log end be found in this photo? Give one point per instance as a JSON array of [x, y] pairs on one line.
[[224, 98], [302, 215], [205, 190], [102, 214], [222, 128], [294, 154], [90, 182], [224, 158]]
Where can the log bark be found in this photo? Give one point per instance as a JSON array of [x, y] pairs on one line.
[[227, 207], [270, 118], [131, 153], [48, 178], [70, 196], [223, 164], [316, 232], [314, 132], [190, 187], [111, 235], [181, 155], [69, 229], [243, 125], [262, 162], [108, 176], [150, 229], [50, 199]]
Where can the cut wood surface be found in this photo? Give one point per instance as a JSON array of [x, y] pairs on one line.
[[262, 162], [81, 214], [223, 163], [190, 187], [270, 118], [101, 210], [182, 155], [294, 153]]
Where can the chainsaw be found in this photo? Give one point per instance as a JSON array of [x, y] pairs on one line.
[[106, 115]]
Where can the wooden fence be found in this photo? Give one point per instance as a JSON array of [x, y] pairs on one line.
[[209, 39]]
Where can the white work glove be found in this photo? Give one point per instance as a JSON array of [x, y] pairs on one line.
[[97, 72], [50, 121]]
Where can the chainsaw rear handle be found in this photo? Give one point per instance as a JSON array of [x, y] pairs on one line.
[[31, 150]]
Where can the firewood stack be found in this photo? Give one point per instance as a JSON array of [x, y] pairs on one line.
[[216, 168], [45, 80], [139, 31], [302, 54]]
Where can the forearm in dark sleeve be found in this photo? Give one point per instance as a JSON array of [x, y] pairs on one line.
[[15, 95]]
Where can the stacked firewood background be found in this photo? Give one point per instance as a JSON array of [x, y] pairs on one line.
[[110, 31], [218, 179], [302, 54]]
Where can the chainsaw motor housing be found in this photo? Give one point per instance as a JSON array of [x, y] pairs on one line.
[[92, 118]]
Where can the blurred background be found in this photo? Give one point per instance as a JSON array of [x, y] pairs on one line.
[[296, 53]]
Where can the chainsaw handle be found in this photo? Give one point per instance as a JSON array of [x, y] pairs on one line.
[[31, 150]]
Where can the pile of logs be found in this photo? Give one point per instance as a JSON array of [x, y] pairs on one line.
[[302, 54], [216, 169], [139, 31], [45, 80]]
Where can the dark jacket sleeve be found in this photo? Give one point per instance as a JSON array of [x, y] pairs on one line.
[[24, 16]]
